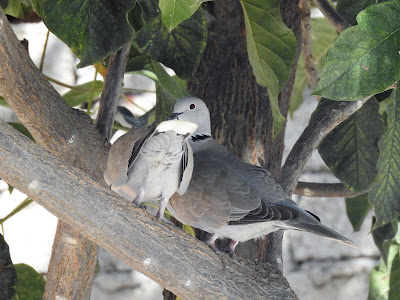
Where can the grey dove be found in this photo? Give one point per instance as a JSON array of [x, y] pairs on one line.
[[149, 164], [230, 198]]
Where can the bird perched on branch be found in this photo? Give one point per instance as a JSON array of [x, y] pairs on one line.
[[230, 198], [152, 163]]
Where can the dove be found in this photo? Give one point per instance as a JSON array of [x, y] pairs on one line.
[[150, 164], [230, 198]]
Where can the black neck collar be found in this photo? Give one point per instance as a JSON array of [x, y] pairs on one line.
[[199, 137]]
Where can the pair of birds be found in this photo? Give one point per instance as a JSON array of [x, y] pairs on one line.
[[180, 165]]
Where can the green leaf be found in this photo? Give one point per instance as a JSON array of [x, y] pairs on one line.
[[168, 83], [349, 9], [83, 93], [30, 283], [351, 149], [384, 279], [4, 3], [383, 237], [3, 102], [20, 207], [175, 11], [91, 28], [364, 60], [357, 209], [10, 189], [189, 229], [394, 283], [21, 128], [322, 36], [168, 91], [271, 47], [17, 8], [385, 193], [8, 275], [135, 17], [181, 49]]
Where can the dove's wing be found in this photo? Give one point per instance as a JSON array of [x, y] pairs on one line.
[[124, 152], [216, 193]]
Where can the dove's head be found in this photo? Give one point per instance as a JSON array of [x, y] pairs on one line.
[[194, 110]]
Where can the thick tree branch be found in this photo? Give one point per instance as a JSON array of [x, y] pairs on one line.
[[321, 123], [166, 254], [112, 91], [68, 134], [332, 15], [57, 277], [313, 189]]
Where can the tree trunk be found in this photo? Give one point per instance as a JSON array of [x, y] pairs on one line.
[[241, 118]]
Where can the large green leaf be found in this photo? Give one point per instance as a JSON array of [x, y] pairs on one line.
[[357, 209], [322, 36], [385, 193], [3, 4], [8, 275], [176, 11], [181, 49], [271, 47], [349, 9], [83, 93], [30, 283], [384, 279], [351, 149], [364, 60], [91, 28]]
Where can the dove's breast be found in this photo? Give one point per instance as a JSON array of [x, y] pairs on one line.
[[157, 169]]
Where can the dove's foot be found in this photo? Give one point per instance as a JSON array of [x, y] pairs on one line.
[[231, 248], [165, 220], [211, 242]]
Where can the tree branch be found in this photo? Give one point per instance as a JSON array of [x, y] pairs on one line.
[[332, 15], [313, 189], [309, 65], [68, 134], [166, 254], [112, 91], [321, 123]]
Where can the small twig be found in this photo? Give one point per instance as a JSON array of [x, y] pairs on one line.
[[90, 100], [332, 15], [320, 125], [305, 11], [76, 88], [112, 91], [313, 189], [44, 51]]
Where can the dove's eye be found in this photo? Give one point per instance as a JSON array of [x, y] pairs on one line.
[[192, 106]]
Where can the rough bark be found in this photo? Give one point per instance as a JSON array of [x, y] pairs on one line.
[[63, 277], [112, 91], [240, 113], [68, 134], [166, 254], [320, 125]]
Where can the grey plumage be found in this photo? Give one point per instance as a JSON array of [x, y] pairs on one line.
[[151, 163], [230, 198]]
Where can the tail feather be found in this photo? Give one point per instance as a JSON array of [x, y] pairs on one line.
[[322, 230]]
